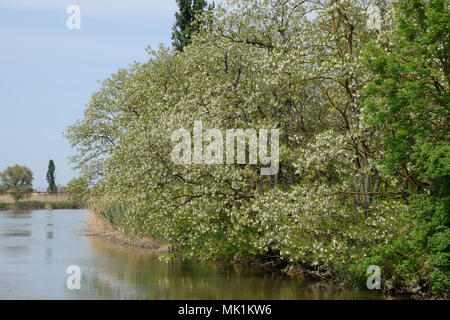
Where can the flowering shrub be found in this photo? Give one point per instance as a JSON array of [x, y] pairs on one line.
[[297, 66]]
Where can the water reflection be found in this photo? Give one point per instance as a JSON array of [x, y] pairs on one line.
[[19, 214], [14, 251], [34, 257], [48, 256], [138, 274], [18, 233]]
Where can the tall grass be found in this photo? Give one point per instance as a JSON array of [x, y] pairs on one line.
[[53, 198], [111, 210]]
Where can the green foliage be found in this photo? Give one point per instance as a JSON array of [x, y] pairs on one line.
[[409, 100], [432, 235], [186, 24], [51, 177], [17, 176], [401, 262], [409, 95], [18, 181], [78, 189], [95, 136]]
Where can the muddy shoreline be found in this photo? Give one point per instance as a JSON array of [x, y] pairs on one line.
[[98, 228]]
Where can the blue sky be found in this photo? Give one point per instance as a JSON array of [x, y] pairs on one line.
[[48, 73]]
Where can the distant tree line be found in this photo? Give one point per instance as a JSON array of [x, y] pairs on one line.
[[18, 180]]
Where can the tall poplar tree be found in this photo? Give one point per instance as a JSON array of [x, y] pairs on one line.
[[51, 177], [184, 27]]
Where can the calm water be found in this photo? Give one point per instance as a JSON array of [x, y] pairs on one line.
[[36, 247]]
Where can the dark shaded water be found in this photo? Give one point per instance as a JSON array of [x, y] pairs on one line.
[[36, 247]]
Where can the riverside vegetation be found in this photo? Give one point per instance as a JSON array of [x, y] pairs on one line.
[[17, 185], [37, 205], [362, 105], [38, 202]]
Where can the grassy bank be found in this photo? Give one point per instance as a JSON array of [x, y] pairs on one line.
[[38, 202], [100, 227], [38, 205]]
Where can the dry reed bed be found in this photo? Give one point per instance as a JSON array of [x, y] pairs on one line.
[[6, 198], [98, 227]]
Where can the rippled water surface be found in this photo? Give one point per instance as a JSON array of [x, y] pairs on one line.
[[36, 247]]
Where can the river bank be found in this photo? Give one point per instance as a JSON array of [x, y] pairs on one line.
[[329, 278], [35, 201], [98, 227], [38, 205]]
